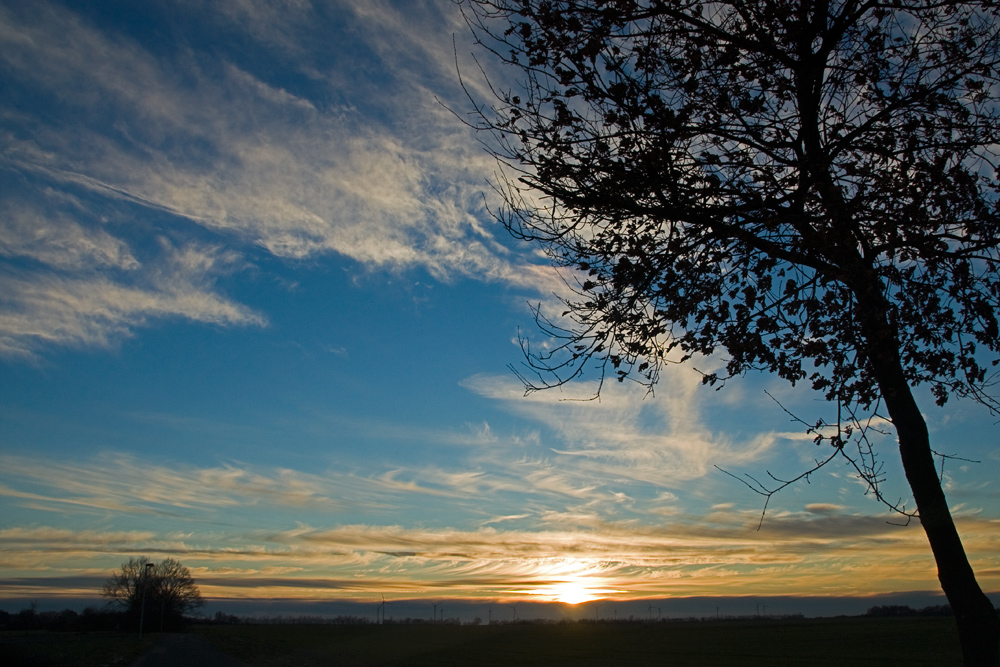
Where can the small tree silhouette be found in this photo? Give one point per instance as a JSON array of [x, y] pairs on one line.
[[159, 593]]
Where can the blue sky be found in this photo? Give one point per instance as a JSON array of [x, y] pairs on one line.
[[255, 315]]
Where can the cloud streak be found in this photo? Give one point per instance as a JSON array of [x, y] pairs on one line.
[[213, 144], [706, 555], [120, 483], [92, 309], [657, 439], [822, 547]]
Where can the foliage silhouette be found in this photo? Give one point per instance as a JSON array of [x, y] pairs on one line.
[[161, 594], [809, 187]]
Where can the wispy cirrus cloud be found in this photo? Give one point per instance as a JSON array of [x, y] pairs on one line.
[[88, 308], [49, 537], [566, 536], [41, 231], [122, 483], [221, 147], [129, 486], [628, 433], [701, 555], [212, 143]]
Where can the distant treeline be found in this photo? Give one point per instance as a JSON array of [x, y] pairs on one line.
[[902, 610], [90, 620], [67, 620], [221, 618]]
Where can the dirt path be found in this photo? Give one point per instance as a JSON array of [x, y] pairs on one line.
[[173, 650]]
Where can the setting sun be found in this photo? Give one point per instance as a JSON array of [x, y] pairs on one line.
[[569, 591], [570, 581], [573, 592]]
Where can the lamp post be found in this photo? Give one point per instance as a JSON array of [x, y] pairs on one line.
[[145, 582], [163, 607]]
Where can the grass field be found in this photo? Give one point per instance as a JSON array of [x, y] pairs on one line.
[[823, 642], [70, 649]]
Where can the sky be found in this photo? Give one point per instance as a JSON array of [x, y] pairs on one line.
[[256, 315]]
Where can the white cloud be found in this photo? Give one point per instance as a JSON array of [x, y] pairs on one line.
[[208, 140], [658, 439], [124, 484], [23, 537], [705, 555], [54, 238], [825, 545], [93, 309], [263, 165]]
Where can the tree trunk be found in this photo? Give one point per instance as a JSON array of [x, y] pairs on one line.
[[978, 625]]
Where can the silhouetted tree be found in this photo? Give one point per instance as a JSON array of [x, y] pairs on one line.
[[891, 610], [166, 590], [808, 186]]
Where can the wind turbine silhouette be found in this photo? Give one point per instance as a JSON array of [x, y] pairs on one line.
[[435, 605], [514, 607], [381, 608]]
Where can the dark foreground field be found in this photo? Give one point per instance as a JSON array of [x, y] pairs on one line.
[[40, 648], [855, 642], [852, 641]]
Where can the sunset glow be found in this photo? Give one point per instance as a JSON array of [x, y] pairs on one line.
[[571, 581], [256, 315], [574, 592]]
